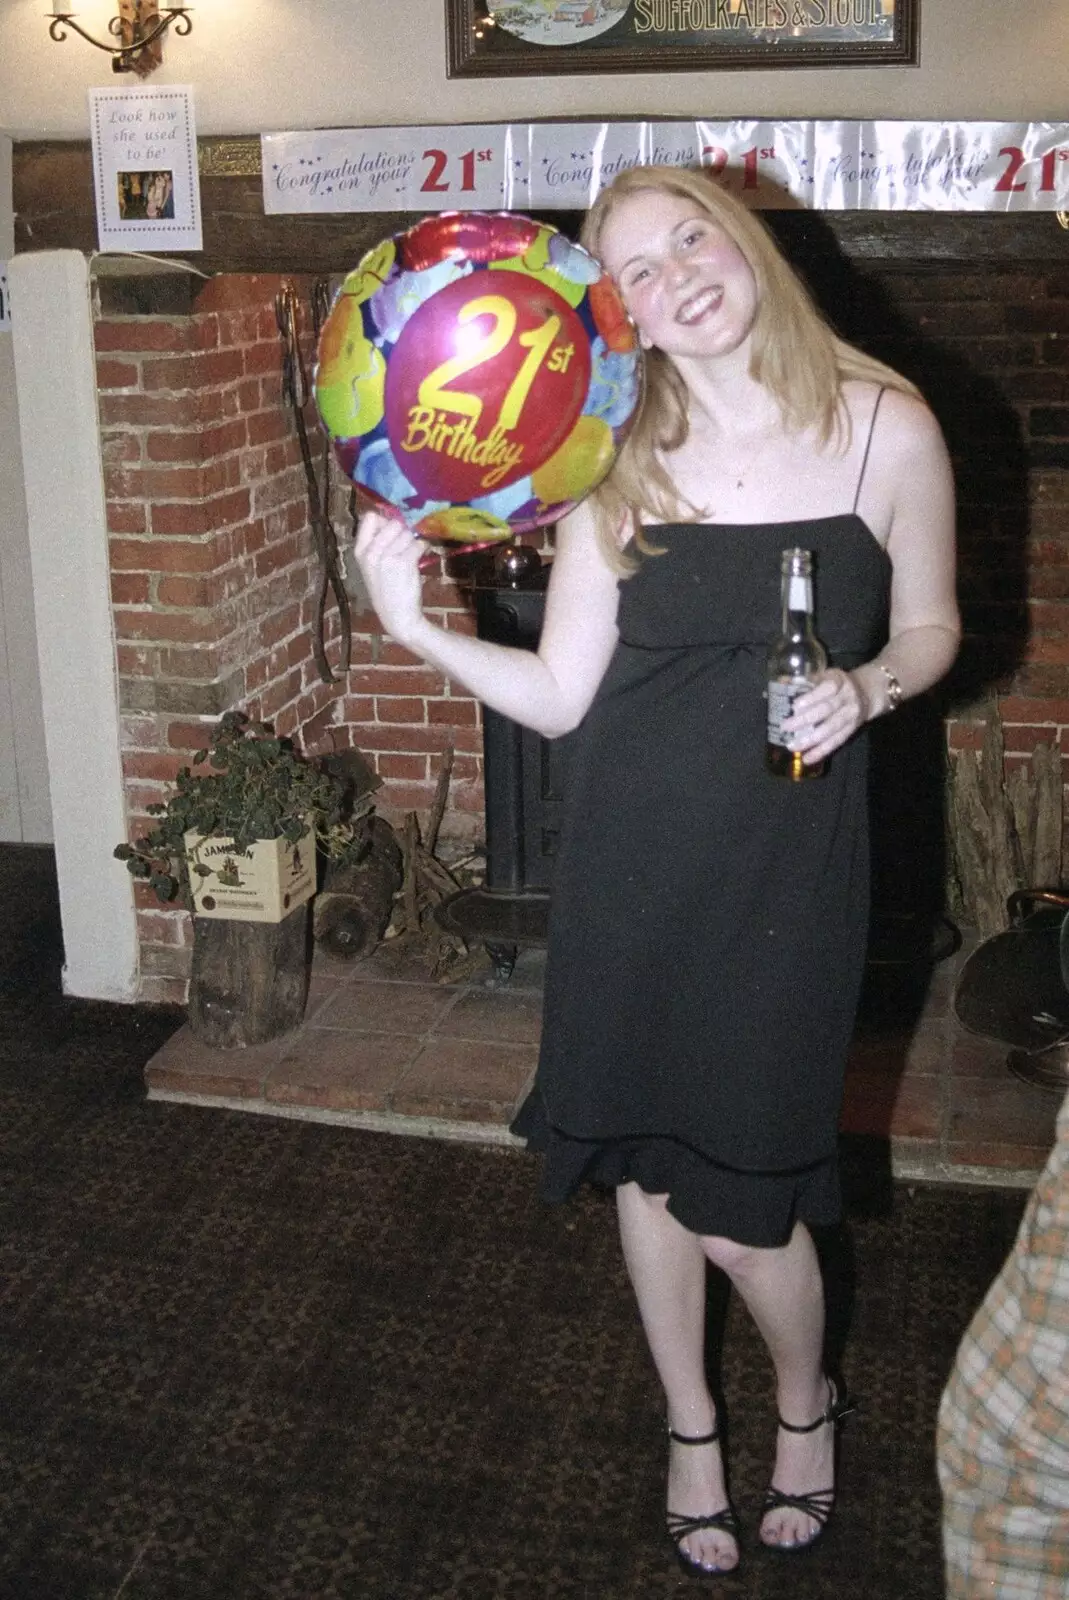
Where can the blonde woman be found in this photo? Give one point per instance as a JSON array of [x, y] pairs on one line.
[[709, 919]]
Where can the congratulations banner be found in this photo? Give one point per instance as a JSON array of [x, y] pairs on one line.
[[538, 166]]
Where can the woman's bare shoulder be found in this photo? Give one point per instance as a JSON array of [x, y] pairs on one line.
[[912, 426], [905, 424], [580, 526]]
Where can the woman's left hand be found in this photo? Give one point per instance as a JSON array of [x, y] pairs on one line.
[[827, 715]]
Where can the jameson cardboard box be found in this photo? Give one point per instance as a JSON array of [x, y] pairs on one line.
[[261, 884]]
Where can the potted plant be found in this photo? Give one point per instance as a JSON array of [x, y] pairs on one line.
[[236, 843]]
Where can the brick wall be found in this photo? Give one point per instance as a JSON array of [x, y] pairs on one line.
[[405, 716], [214, 583], [990, 349]]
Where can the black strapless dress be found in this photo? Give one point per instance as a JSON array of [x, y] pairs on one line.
[[709, 920]]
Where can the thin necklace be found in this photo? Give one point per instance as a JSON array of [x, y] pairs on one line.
[[754, 454]]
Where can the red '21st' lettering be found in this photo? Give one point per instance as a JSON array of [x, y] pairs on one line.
[[1008, 183], [439, 160], [1014, 162], [715, 159]]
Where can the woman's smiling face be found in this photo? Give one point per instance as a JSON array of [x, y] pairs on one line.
[[684, 280]]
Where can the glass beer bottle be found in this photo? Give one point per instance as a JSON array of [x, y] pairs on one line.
[[794, 660]]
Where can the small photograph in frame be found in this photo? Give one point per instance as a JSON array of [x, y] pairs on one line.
[[145, 174], [146, 196], [520, 38]]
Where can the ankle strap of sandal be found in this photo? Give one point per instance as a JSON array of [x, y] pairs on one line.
[[838, 1407], [805, 1427], [694, 1438]]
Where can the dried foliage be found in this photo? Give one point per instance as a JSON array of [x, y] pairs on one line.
[[1005, 830]]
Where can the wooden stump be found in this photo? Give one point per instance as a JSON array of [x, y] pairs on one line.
[[249, 981]]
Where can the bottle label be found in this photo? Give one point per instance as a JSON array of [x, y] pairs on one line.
[[781, 697], [799, 593]]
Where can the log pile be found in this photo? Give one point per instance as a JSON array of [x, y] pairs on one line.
[[427, 883], [1004, 830], [393, 893]]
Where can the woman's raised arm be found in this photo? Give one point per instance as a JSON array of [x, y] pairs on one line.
[[548, 690]]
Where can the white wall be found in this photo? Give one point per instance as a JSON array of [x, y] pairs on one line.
[[278, 64], [25, 813]]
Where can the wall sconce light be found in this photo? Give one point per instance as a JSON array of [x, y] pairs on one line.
[[139, 28]]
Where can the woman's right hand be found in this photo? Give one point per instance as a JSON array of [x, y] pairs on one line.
[[388, 554]]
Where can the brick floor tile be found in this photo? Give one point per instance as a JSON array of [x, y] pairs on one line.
[[906, 1107], [494, 1014], [939, 1001], [916, 1052], [927, 1049], [999, 1122], [919, 1109], [971, 1056], [376, 1007], [883, 1053], [469, 1080], [186, 1065], [341, 1071], [323, 987]]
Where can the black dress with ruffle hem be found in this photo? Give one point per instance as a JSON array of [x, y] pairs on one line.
[[709, 920]]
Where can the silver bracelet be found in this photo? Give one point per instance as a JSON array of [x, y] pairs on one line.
[[894, 688]]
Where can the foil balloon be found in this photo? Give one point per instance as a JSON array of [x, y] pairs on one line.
[[477, 375]]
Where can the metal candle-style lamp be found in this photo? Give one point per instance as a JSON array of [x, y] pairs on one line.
[[139, 28]]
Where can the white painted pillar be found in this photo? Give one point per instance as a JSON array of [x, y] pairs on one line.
[[56, 379], [25, 814]]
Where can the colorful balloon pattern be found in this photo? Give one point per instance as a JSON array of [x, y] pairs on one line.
[[477, 375]]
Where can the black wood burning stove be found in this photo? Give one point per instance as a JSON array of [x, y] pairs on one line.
[[524, 784]]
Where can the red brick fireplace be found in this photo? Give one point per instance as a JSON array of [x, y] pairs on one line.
[[214, 577]]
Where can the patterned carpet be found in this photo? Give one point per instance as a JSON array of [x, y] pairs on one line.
[[246, 1359]]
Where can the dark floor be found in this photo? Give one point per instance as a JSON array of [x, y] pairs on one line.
[[251, 1358]]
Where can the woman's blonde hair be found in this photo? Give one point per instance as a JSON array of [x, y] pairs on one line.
[[795, 355]]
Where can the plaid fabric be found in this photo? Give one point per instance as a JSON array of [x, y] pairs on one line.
[[1003, 1442]]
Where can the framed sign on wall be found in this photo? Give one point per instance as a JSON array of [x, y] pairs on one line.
[[539, 37]]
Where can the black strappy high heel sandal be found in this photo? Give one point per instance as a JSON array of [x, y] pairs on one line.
[[820, 1503], [679, 1526]]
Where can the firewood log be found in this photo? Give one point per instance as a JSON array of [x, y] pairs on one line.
[[1020, 794], [353, 907], [983, 902], [1046, 767]]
